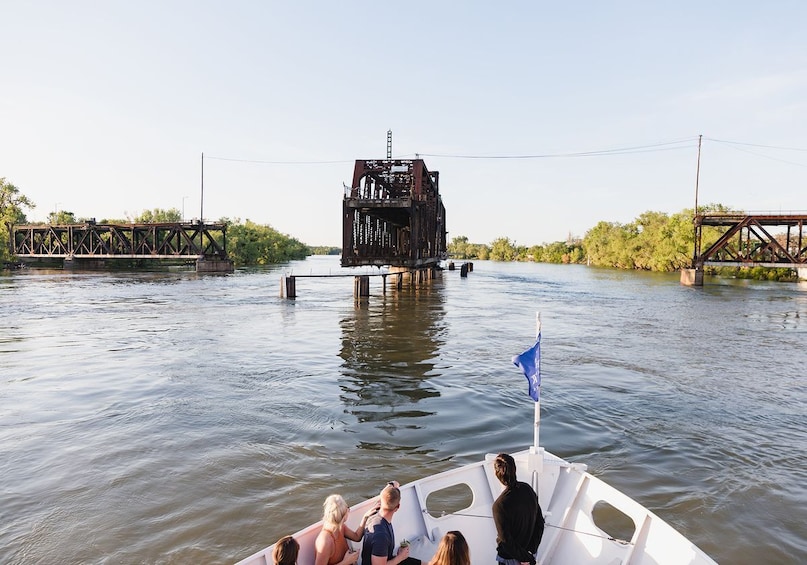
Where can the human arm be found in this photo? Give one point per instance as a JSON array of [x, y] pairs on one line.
[[350, 557], [402, 554], [358, 533], [323, 548]]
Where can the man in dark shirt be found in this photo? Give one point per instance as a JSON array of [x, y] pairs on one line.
[[517, 514], [379, 537]]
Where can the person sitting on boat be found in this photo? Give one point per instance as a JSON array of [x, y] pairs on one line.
[[453, 550], [331, 546], [379, 537], [286, 550], [517, 514]]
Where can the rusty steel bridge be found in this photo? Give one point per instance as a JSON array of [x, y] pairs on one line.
[[753, 239], [748, 239], [393, 215], [91, 243]]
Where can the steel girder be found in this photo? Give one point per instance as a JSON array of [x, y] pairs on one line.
[[119, 241], [393, 215], [767, 240]]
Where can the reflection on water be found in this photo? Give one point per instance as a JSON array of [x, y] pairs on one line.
[[389, 350]]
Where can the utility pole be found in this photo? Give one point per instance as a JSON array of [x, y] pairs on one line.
[[698, 173], [202, 198], [696, 244]]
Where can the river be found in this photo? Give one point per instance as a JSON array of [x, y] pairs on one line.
[[178, 418]]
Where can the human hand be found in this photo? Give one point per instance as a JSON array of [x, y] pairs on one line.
[[403, 552], [351, 557], [373, 511]]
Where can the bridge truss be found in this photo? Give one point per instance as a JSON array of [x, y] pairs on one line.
[[765, 240], [393, 215], [119, 241]]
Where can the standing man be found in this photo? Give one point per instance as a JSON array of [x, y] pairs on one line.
[[379, 537], [518, 517]]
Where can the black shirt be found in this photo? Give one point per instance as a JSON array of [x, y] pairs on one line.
[[519, 523]]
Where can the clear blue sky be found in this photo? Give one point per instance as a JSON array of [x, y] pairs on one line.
[[106, 108]]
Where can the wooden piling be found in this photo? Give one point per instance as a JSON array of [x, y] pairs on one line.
[[290, 286], [361, 286]]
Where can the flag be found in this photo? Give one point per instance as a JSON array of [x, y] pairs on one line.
[[530, 364]]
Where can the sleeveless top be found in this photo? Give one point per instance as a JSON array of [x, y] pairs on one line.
[[339, 547]]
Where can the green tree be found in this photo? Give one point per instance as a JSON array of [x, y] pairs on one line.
[[502, 249], [325, 250], [480, 251], [251, 244], [62, 218], [459, 247], [159, 216], [12, 203]]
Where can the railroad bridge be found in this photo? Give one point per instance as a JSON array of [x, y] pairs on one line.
[[393, 215], [91, 244], [763, 239]]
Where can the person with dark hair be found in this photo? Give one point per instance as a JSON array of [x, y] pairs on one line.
[[453, 550], [379, 537], [517, 514], [286, 550]]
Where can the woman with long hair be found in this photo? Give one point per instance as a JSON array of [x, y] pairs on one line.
[[286, 550], [453, 550], [331, 546]]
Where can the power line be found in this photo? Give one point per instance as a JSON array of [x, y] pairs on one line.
[[755, 144], [628, 150], [737, 146], [280, 162], [662, 146]]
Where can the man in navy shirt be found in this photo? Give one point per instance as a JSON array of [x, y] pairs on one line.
[[379, 537]]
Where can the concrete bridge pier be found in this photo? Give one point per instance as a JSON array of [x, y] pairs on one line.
[[206, 265], [802, 272], [692, 277]]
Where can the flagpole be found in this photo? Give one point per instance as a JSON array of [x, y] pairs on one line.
[[536, 452], [537, 431]]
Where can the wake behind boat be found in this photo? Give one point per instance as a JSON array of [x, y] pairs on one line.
[[587, 521]]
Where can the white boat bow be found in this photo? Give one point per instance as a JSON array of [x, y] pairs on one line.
[[587, 521]]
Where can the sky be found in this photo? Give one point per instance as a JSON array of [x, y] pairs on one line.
[[542, 118]]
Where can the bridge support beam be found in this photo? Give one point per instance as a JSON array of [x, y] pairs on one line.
[[361, 286], [288, 287], [692, 277], [204, 265], [802, 271]]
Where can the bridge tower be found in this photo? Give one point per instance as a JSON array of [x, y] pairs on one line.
[[393, 214]]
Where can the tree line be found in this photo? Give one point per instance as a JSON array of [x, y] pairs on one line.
[[655, 241]]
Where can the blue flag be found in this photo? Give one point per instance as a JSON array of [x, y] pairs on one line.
[[530, 364]]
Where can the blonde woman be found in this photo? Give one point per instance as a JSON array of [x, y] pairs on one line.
[[331, 543], [453, 550]]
